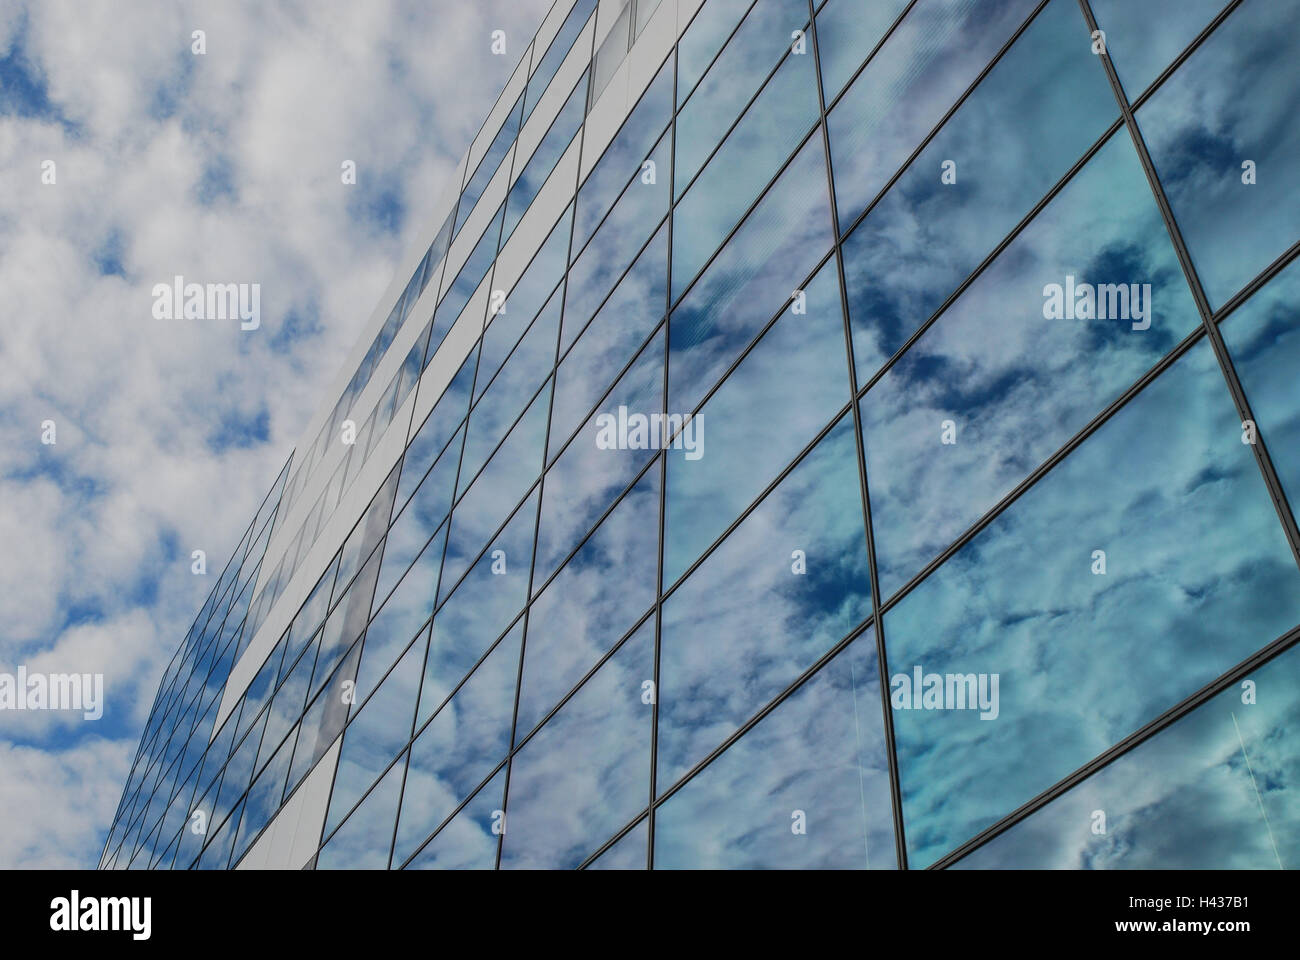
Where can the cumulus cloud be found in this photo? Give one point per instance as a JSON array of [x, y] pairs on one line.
[[221, 168]]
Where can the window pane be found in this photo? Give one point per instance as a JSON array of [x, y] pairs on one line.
[[422, 518], [616, 244], [755, 49], [1215, 791], [364, 840], [324, 719], [771, 254], [471, 274], [592, 759], [578, 618], [1047, 99], [588, 476], [785, 390], [286, 707], [746, 161], [712, 25], [487, 167], [1232, 101], [618, 328], [535, 291], [263, 685], [376, 734], [550, 62], [499, 407], [217, 854], [934, 55], [1016, 397], [348, 619], [806, 787], [484, 604], [402, 616], [502, 483], [238, 774], [463, 743], [1025, 601], [528, 183], [611, 53], [264, 796], [788, 584], [471, 840]]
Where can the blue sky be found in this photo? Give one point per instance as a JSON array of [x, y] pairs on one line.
[[222, 167]]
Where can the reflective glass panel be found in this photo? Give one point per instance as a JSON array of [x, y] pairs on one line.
[[806, 787], [1088, 569]]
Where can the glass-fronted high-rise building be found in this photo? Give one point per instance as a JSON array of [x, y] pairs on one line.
[[815, 434]]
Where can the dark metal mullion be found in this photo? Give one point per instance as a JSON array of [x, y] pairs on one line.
[[891, 757], [1147, 731], [1239, 399], [663, 491]]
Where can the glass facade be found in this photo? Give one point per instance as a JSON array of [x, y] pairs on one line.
[[881, 457]]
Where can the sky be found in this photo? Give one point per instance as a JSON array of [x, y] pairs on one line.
[[126, 159]]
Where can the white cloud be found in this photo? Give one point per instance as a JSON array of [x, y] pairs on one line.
[[99, 527]]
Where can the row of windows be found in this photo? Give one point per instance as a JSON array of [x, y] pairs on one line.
[[626, 598], [472, 190], [524, 189], [175, 736]]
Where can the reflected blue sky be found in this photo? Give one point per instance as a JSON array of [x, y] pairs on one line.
[[1214, 791], [1085, 658], [1233, 101]]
